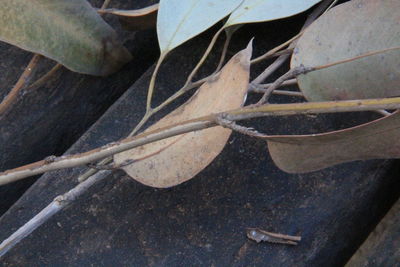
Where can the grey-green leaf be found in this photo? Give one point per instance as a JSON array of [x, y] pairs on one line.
[[67, 31], [181, 20], [349, 30], [266, 10]]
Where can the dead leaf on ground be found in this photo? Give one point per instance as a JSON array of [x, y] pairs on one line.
[[351, 29], [174, 160], [134, 20], [305, 153]]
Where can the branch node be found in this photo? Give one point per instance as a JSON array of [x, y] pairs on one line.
[[50, 159]]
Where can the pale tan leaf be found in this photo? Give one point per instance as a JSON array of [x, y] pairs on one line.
[[177, 159], [137, 19], [305, 153]]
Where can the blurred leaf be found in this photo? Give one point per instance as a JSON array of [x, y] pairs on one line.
[[349, 30], [172, 161], [138, 19], [179, 21], [265, 10], [305, 153], [67, 31]]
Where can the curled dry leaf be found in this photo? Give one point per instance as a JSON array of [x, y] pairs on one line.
[[67, 31], [133, 20], [174, 160], [378, 139], [354, 28]]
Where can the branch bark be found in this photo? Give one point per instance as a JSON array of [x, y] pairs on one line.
[[55, 163]]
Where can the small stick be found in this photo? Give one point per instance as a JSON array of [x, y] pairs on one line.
[[280, 60], [259, 235], [253, 111], [383, 112], [58, 204], [21, 83], [288, 75], [220, 120]]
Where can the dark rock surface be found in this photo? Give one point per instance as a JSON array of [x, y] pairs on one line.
[[49, 119], [202, 222]]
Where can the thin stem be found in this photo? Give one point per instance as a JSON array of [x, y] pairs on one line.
[[106, 3], [46, 77], [153, 82], [204, 57], [21, 83], [275, 50], [280, 60], [229, 33], [253, 111], [383, 112], [368, 54], [290, 74], [285, 83], [58, 204], [330, 6]]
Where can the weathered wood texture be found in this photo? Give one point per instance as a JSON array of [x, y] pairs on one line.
[[203, 221], [49, 119], [382, 247]]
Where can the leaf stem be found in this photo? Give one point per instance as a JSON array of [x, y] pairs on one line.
[[21, 83]]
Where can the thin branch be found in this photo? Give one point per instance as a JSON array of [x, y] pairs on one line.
[[262, 88], [46, 77], [368, 54], [58, 204], [106, 3], [275, 50], [288, 75], [280, 60], [201, 123], [277, 92], [229, 33], [383, 112], [285, 83], [9, 100], [222, 121]]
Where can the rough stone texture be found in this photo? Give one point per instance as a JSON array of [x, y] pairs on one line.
[[49, 119], [202, 222]]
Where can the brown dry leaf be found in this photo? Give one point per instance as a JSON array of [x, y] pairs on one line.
[[174, 160], [134, 20], [349, 30], [378, 139]]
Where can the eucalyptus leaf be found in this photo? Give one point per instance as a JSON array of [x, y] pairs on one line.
[[179, 21], [305, 153], [176, 159], [67, 31], [349, 30], [266, 10]]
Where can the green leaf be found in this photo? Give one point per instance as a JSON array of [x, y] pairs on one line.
[[67, 31], [378, 139], [266, 10], [347, 31], [179, 21]]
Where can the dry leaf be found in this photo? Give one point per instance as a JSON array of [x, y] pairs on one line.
[[174, 160], [138, 19], [354, 28], [305, 153]]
